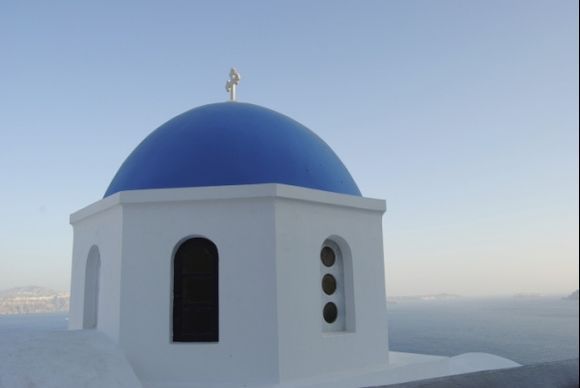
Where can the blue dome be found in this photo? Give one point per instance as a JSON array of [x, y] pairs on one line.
[[232, 143]]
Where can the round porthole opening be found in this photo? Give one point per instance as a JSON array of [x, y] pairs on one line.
[[330, 312], [327, 256], [328, 284]]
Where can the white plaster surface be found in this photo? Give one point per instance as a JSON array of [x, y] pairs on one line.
[[103, 230], [270, 317], [73, 359], [269, 239], [304, 349], [405, 367], [88, 359]]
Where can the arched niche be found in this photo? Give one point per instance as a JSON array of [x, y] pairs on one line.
[[92, 280]]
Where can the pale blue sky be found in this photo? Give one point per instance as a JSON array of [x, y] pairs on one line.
[[462, 114]]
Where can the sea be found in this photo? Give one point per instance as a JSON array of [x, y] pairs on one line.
[[525, 330]]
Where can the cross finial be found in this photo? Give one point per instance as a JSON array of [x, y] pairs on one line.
[[232, 83]]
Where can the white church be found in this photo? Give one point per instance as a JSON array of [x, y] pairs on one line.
[[234, 249]]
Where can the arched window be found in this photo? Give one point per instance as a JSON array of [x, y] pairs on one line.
[[92, 275], [336, 286], [195, 292]]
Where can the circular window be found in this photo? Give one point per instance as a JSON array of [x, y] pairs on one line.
[[328, 284], [327, 256], [330, 312]]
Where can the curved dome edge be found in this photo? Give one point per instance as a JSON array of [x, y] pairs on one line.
[[232, 143]]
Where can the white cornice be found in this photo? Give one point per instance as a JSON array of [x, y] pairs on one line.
[[268, 190]]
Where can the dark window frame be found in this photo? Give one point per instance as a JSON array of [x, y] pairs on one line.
[[196, 291]]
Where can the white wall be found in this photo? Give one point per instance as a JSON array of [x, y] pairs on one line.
[[242, 231], [304, 349], [268, 239], [102, 229]]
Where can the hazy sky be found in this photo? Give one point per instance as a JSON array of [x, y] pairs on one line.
[[463, 115]]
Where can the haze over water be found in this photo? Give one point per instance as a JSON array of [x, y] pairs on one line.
[[525, 330]]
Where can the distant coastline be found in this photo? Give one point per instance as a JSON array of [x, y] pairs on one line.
[[449, 297], [529, 295], [426, 297], [32, 300], [38, 300], [572, 296]]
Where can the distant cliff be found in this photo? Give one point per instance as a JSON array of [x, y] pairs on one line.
[[28, 300], [572, 296]]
